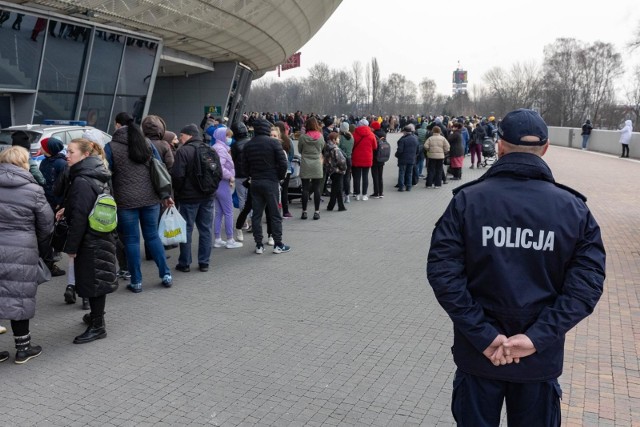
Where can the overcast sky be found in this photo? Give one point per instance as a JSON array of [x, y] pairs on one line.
[[421, 38]]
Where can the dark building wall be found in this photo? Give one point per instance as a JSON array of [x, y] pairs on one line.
[[180, 100]]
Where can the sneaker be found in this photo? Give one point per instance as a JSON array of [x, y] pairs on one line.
[[280, 249], [57, 271], [167, 281], [124, 274], [2, 330], [219, 243], [303, 216], [287, 215], [437, 186], [316, 215], [239, 235], [4, 355], [70, 294], [183, 268], [365, 197], [246, 226], [204, 267], [347, 199], [358, 197], [232, 244], [136, 288], [259, 249], [270, 241]]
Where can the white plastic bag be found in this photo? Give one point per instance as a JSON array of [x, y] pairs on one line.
[[172, 228]]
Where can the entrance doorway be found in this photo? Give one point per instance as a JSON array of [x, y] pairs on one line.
[[5, 111]]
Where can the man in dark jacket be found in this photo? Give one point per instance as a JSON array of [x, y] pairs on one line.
[[195, 206], [265, 162], [516, 261], [406, 153], [241, 136]]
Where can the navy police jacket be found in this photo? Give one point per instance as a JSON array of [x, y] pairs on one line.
[[514, 252]]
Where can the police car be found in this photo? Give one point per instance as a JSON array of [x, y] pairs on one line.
[[64, 130]]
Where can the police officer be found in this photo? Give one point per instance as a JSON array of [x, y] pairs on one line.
[[516, 261]]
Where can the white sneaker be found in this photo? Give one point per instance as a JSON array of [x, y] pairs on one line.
[[365, 197], [347, 199], [239, 235], [270, 241], [3, 329], [358, 197], [246, 226], [259, 249], [232, 244], [219, 243]]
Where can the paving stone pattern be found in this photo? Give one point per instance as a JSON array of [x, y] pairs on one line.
[[344, 330]]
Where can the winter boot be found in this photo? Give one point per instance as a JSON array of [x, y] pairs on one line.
[[26, 351], [95, 331], [70, 294], [86, 319]]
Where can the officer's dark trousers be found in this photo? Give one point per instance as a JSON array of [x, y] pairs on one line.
[[478, 402]]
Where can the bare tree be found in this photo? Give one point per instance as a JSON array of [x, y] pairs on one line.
[[319, 84], [375, 84], [601, 65], [518, 88], [367, 81], [633, 96], [428, 94], [356, 67]]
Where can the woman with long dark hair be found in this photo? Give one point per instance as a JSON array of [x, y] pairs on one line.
[[129, 154], [287, 146]]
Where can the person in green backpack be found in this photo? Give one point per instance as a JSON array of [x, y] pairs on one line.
[[90, 212]]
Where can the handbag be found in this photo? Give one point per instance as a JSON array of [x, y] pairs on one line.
[[44, 274], [59, 235], [160, 178]]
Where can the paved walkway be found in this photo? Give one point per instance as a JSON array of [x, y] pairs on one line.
[[344, 330]]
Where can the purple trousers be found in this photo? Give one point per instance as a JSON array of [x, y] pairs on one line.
[[224, 208]]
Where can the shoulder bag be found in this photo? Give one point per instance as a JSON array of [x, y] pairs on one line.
[[160, 178]]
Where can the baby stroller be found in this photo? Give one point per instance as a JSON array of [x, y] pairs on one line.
[[488, 152], [295, 182]]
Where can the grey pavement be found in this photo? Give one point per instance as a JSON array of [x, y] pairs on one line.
[[343, 330]]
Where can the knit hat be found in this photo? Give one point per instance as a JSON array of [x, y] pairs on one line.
[[375, 125], [344, 126], [191, 129], [21, 139], [363, 122], [51, 146], [94, 135]]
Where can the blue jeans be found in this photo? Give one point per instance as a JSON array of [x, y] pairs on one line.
[[200, 214], [405, 176], [130, 221], [585, 141]]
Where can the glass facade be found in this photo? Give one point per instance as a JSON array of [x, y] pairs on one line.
[[77, 72]]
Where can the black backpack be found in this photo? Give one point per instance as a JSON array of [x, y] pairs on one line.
[[383, 152], [207, 171], [481, 133]]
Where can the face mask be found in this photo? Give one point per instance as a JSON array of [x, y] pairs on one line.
[[229, 141]]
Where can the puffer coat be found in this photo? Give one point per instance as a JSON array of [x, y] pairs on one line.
[[26, 222], [95, 263], [436, 146], [310, 148]]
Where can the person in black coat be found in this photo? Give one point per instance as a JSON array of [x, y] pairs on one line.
[[406, 153], [94, 253]]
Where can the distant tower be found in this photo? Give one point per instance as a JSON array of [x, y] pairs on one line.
[[459, 80]]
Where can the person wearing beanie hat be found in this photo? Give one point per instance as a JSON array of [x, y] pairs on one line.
[[363, 122], [377, 168], [375, 125], [190, 130], [364, 145], [515, 272], [21, 139], [344, 126], [173, 141]]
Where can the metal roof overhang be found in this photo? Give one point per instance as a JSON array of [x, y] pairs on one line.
[[196, 34]]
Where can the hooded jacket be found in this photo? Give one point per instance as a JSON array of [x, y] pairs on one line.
[[513, 253], [364, 144], [263, 156], [310, 148], [346, 143], [220, 146], [626, 132], [95, 262], [26, 222], [236, 153], [154, 130]]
